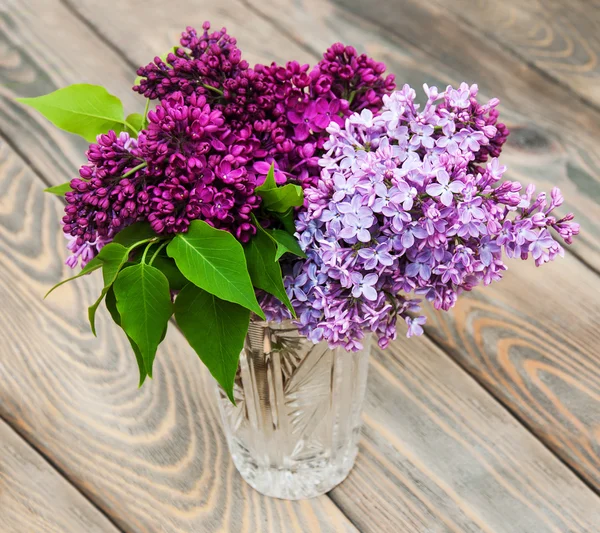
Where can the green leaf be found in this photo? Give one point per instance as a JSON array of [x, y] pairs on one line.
[[111, 305], [269, 182], [59, 190], [168, 267], [144, 304], [215, 329], [214, 260], [83, 109], [286, 243], [282, 198], [140, 231], [287, 219], [136, 121], [113, 257], [263, 267], [94, 264], [279, 199]]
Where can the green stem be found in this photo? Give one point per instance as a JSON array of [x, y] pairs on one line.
[[145, 252], [156, 253], [139, 243], [214, 89], [134, 170]]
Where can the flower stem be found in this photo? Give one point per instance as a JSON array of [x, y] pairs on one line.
[[214, 89], [146, 251], [151, 240], [156, 253], [134, 170]]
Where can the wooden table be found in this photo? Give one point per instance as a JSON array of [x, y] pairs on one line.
[[490, 422]]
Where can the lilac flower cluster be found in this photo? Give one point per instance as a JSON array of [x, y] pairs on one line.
[[198, 168], [406, 205], [285, 109], [105, 198], [186, 165], [211, 140]]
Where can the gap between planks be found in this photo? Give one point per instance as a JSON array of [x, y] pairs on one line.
[[55, 468]]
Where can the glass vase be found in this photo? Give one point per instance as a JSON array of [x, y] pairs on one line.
[[294, 430]]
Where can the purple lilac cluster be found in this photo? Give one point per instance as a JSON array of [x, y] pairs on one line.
[[211, 140], [285, 109], [105, 198], [406, 205], [186, 165]]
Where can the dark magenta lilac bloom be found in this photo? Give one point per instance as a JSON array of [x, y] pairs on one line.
[[284, 108], [218, 126]]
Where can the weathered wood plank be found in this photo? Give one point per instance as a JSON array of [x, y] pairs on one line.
[[153, 459], [439, 454], [560, 38], [44, 47], [532, 340], [35, 497]]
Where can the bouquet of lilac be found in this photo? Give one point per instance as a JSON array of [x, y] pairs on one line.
[[317, 194]]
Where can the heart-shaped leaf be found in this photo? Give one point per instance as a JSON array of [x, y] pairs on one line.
[[286, 243], [279, 199], [144, 304], [113, 257], [83, 109], [136, 121], [59, 190], [140, 231], [214, 260], [111, 305], [215, 329], [168, 267], [269, 182], [265, 271], [282, 198]]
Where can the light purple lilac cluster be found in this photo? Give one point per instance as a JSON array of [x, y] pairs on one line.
[[407, 205], [217, 129]]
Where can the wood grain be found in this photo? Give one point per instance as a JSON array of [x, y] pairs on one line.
[[35, 497], [43, 47], [423, 467], [532, 340], [438, 455], [153, 459], [559, 38]]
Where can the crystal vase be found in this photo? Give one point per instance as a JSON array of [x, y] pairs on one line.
[[294, 430]]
